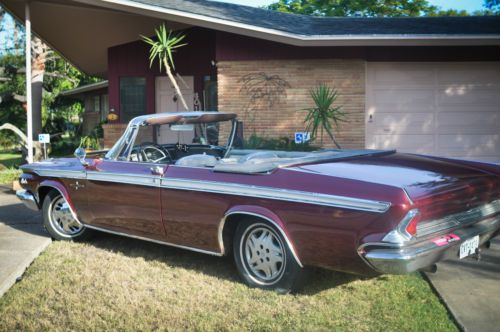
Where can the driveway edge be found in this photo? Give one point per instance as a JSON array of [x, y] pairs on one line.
[[19, 270]]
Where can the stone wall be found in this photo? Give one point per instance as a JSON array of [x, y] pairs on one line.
[[281, 89]]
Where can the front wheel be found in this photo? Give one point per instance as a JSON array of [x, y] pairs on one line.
[[264, 259], [59, 221]]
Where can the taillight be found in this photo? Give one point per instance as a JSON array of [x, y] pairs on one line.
[[411, 226], [405, 230]]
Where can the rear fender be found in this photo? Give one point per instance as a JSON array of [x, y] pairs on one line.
[[262, 213]]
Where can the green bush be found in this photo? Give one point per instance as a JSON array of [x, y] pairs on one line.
[[282, 144], [90, 143]]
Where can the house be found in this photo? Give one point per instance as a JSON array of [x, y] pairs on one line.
[[425, 85], [95, 102]]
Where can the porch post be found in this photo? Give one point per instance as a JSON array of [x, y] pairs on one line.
[[29, 102]]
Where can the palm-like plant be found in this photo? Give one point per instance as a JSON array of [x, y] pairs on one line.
[[162, 49], [323, 115]]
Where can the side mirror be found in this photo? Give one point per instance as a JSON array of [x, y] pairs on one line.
[[80, 155]]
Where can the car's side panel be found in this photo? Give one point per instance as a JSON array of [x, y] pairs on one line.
[[124, 197], [193, 217]]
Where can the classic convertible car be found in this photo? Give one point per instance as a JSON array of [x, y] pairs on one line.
[[175, 179]]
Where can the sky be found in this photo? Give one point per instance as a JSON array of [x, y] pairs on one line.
[[469, 5]]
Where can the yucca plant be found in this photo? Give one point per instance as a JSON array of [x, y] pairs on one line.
[[324, 114], [162, 49]]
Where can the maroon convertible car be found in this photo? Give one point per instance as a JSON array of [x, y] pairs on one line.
[[175, 179]]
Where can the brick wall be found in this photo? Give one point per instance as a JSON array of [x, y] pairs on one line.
[[112, 132], [283, 118]]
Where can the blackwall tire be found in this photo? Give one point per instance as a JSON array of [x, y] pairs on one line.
[[58, 220], [264, 259]]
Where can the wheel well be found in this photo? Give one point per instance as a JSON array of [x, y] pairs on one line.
[[230, 225], [43, 192]]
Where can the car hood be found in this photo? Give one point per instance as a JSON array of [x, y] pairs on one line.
[[420, 176]]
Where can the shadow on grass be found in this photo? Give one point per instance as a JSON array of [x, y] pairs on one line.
[[317, 280]]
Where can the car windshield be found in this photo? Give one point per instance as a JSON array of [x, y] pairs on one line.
[[167, 143]]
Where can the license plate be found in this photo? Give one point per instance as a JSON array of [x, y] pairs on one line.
[[469, 247]]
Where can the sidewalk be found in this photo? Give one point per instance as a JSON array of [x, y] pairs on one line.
[[471, 289], [22, 238]]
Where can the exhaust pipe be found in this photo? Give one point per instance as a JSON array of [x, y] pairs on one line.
[[430, 269]]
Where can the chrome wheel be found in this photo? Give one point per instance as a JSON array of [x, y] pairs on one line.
[[263, 254], [62, 219]]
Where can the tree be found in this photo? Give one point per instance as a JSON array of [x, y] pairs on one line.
[[369, 8], [323, 115], [50, 74], [493, 5], [374, 8], [162, 49]]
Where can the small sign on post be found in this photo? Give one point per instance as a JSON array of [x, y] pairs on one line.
[[302, 137], [44, 138]]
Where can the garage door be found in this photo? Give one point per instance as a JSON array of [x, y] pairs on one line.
[[443, 109]]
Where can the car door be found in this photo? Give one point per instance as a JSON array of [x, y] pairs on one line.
[[124, 197]]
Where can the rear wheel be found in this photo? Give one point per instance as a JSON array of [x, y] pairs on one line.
[[59, 221], [264, 259]]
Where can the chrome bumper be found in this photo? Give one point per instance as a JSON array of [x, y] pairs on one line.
[[387, 258], [28, 199]]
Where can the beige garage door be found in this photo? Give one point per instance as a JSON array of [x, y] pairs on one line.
[[443, 109]]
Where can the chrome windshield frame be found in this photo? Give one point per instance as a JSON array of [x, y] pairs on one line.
[[127, 140]]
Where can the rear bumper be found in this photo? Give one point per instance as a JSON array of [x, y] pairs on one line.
[[391, 259], [28, 199]]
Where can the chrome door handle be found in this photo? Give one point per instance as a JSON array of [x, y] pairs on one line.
[[157, 170]]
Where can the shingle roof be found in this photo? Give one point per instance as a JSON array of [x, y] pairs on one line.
[[324, 26]]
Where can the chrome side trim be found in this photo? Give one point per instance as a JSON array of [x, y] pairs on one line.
[[272, 222], [47, 172], [125, 178], [277, 194], [297, 196], [213, 253]]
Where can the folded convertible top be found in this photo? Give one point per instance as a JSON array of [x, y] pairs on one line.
[[267, 161]]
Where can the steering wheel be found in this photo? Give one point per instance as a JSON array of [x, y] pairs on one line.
[[154, 153]]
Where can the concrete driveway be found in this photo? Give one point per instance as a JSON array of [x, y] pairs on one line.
[[471, 289], [22, 238]]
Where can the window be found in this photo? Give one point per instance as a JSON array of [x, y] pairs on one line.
[[132, 97], [97, 103], [104, 107]]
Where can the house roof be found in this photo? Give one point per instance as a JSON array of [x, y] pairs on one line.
[[82, 31], [333, 26]]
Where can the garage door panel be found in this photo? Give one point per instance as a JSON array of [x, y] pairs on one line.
[[445, 109], [403, 74], [475, 74], [468, 122], [404, 99], [403, 123], [468, 95], [403, 143]]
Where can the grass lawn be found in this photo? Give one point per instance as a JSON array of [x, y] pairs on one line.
[[113, 283], [10, 160]]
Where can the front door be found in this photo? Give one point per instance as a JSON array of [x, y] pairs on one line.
[[167, 100], [125, 197]]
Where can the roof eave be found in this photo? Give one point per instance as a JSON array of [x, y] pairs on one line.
[[85, 88], [291, 38]]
